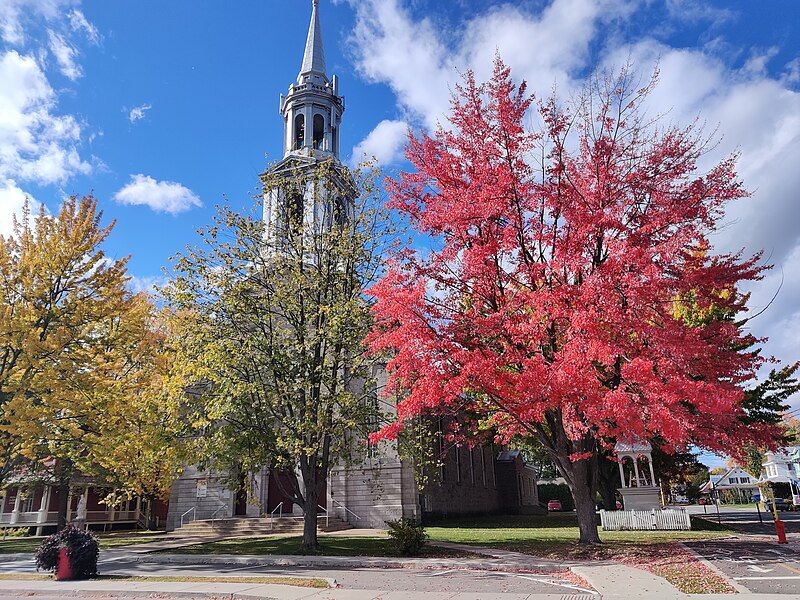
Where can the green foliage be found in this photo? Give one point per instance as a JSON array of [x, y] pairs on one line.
[[408, 536], [82, 549], [766, 402], [556, 491], [271, 324]]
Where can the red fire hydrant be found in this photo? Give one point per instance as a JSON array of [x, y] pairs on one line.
[[64, 568], [781, 531]]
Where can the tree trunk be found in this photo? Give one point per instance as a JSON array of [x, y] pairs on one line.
[[583, 494], [310, 511], [608, 481], [581, 475], [64, 475]]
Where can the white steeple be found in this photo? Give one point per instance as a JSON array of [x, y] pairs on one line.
[[314, 56], [312, 110], [312, 114]]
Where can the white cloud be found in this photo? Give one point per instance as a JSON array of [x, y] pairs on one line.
[[14, 15], [758, 115], [161, 196], [147, 283], [138, 112], [12, 201], [385, 143], [421, 66], [79, 22], [65, 54], [35, 143]]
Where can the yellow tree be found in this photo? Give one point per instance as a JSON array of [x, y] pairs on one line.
[[76, 352]]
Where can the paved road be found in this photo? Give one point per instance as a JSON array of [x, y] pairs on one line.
[[543, 581], [761, 567], [746, 520]]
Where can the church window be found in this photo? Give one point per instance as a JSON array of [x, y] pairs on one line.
[[472, 465], [319, 131], [334, 138], [299, 131]]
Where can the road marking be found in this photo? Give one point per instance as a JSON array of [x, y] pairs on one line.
[[758, 569], [792, 569], [438, 573], [767, 578], [548, 582]]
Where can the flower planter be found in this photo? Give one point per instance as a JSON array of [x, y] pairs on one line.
[[64, 568]]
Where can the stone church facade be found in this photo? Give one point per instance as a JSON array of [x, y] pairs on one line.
[[382, 487]]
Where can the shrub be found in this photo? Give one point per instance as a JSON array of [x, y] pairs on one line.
[[82, 549], [556, 491], [408, 536]]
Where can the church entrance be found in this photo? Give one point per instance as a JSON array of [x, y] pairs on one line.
[[240, 509], [278, 491]]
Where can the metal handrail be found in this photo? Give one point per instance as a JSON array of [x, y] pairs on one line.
[[345, 508], [191, 510], [327, 516], [219, 508], [272, 514]]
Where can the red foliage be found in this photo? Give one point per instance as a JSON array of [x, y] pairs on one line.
[[559, 257]]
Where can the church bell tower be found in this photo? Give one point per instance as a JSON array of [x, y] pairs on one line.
[[312, 114]]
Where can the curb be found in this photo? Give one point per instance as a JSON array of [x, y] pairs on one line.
[[134, 594]]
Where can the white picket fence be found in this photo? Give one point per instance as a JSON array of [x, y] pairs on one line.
[[618, 520]]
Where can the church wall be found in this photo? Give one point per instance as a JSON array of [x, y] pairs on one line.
[[188, 492], [375, 494], [466, 484]]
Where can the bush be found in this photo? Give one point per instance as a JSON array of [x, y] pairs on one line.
[[556, 491], [408, 536], [82, 549]]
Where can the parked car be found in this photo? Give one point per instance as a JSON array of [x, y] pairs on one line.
[[703, 501], [554, 506], [780, 504]]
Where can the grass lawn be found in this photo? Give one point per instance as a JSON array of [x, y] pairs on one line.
[[330, 546], [12, 545], [556, 535]]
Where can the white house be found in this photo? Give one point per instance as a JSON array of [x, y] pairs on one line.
[[736, 485], [783, 467]]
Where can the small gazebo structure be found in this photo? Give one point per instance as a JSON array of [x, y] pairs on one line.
[[638, 492]]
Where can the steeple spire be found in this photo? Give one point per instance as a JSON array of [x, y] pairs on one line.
[[314, 56]]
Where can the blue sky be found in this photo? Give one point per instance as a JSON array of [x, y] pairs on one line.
[[178, 100]]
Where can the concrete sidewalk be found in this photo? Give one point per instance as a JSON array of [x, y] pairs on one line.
[[251, 591], [508, 561], [612, 582]]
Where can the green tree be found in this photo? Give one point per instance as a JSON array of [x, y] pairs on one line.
[[273, 330]]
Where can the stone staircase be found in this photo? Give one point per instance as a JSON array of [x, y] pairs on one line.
[[253, 526]]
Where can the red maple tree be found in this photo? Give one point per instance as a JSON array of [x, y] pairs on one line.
[[549, 302]]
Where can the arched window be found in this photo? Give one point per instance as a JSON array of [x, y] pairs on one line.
[[319, 131], [299, 131]]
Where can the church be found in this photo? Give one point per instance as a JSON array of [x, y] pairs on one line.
[[479, 480], [382, 487]]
